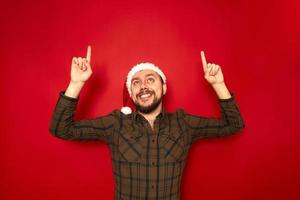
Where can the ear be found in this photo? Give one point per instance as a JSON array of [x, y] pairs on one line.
[[164, 88]]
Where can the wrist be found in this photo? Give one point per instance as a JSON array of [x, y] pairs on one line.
[[219, 85], [74, 89], [76, 83], [221, 90]]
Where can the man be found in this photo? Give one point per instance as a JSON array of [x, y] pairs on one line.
[[148, 146]]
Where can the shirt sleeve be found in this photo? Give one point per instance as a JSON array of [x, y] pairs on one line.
[[229, 123], [64, 126]]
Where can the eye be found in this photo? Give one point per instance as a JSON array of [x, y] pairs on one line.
[[135, 83], [150, 80]]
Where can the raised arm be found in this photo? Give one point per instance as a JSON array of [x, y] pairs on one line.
[[62, 123], [230, 122]]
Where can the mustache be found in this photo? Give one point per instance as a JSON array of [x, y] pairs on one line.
[[145, 92]]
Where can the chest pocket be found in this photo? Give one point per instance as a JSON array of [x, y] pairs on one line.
[[129, 146], [173, 146]]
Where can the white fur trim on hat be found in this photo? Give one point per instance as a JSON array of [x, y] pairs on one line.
[[140, 67]]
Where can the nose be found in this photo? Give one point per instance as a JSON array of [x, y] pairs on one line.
[[144, 85]]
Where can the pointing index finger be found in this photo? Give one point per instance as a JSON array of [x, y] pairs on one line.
[[89, 54], [204, 64]]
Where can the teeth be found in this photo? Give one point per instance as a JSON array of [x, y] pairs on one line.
[[145, 95]]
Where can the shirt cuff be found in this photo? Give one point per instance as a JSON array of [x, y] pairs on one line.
[[66, 100], [62, 94], [229, 99]]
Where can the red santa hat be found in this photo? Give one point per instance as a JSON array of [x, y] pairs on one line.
[[127, 103]]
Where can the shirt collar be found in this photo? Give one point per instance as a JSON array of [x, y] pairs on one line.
[[161, 115]]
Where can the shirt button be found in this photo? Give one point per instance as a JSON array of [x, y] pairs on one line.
[[133, 137], [173, 137], [152, 186], [153, 163], [153, 140]]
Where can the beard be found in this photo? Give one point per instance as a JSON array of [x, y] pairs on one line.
[[150, 108]]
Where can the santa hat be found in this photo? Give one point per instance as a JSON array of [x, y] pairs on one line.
[[127, 103]]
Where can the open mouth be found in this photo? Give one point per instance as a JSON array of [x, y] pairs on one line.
[[145, 96]]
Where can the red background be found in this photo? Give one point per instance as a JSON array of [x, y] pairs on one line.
[[256, 43]]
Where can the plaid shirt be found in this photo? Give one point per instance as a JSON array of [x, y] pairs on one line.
[[147, 163]]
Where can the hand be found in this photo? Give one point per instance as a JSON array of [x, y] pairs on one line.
[[212, 72], [81, 68]]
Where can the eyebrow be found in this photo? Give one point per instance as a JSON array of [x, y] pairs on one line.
[[151, 74]]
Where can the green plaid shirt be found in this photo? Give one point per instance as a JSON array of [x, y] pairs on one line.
[[147, 163]]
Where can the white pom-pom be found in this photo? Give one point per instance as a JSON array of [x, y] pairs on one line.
[[126, 110]]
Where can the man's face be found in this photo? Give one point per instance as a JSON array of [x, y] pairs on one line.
[[147, 90]]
